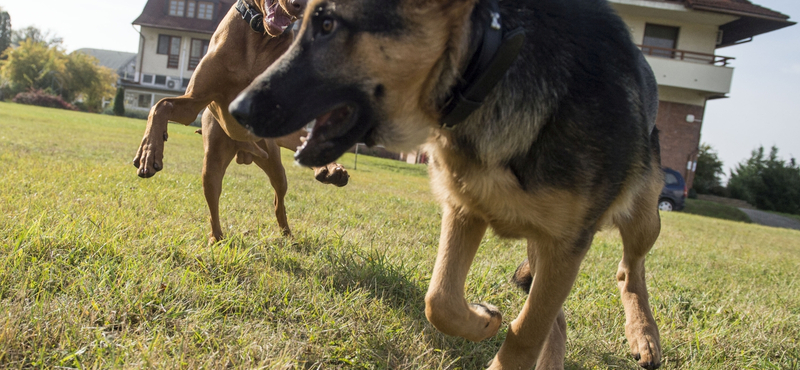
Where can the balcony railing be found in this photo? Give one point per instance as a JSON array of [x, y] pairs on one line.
[[689, 56]]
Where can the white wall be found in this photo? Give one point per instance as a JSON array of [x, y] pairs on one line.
[[156, 64]]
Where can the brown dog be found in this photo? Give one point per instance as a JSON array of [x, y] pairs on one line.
[[538, 116], [237, 53]]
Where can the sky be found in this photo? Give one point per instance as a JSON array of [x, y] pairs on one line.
[[763, 107]]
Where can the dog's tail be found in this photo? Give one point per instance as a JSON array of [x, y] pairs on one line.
[[655, 146], [523, 277]]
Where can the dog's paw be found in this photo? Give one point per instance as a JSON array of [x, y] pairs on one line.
[[645, 347], [492, 317], [149, 157], [333, 173]]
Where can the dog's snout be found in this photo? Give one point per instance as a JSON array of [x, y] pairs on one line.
[[241, 109], [297, 7]]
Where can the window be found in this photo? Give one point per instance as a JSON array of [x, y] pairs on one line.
[[205, 10], [176, 7], [148, 79], [171, 46], [670, 179], [144, 100], [185, 83], [198, 51], [660, 39], [161, 80], [190, 9]]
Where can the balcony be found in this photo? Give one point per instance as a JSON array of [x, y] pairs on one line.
[[706, 73], [689, 56]]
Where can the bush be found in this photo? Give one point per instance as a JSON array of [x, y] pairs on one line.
[[709, 171], [119, 102], [771, 184], [41, 98]]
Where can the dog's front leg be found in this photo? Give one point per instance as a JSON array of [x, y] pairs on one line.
[[182, 109], [556, 265], [445, 305]]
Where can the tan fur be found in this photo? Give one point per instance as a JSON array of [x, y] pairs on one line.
[[487, 195], [477, 194], [417, 63], [236, 55]]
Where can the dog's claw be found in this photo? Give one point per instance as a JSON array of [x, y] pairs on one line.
[[646, 349], [494, 321]]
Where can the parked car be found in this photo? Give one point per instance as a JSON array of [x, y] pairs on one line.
[[673, 196]]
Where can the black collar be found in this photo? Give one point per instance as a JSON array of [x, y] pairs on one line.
[[493, 52], [251, 15]]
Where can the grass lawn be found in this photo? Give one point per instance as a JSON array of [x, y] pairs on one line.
[[102, 269], [716, 210]]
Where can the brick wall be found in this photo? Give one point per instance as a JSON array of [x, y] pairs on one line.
[[679, 139]]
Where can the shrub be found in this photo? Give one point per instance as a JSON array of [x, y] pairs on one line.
[[119, 102], [771, 184], [41, 98]]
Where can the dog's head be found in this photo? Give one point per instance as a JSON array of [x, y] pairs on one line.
[[371, 71], [279, 14]]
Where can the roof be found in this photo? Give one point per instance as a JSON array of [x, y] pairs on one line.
[[753, 19], [739, 7], [116, 60], [155, 14]]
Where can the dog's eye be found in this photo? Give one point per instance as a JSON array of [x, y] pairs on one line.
[[328, 24]]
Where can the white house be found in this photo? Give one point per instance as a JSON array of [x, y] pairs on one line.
[[680, 39], [174, 37]]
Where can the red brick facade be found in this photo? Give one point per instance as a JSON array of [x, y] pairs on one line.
[[679, 138]]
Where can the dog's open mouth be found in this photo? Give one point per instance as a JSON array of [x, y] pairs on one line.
[[277, 19], [334, 132]]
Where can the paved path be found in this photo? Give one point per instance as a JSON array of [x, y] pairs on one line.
[[769, 219]]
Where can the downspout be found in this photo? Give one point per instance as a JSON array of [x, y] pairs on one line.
[[691, 167], [141, 57]]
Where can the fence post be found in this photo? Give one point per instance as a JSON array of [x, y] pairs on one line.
[[355, 166]]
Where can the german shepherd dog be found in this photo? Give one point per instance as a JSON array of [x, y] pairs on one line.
[[562, 145]]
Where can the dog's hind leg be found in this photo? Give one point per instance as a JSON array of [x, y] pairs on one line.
[[332, 173], [639, 232], [445, 305], [219, 151], [555, 267], [273, 167]]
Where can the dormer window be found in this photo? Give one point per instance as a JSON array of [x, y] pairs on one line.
[[205, 10], [176, 7], [192, 9]]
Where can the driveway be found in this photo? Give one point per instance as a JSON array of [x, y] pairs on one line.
[[769, 219]]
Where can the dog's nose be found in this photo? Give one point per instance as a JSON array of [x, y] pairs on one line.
[[297, 7], [241, 109]]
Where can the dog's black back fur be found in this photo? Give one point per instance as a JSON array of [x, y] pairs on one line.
[[580, 71]]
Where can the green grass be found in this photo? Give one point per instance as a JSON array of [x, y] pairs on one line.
[[715, 210], [102, 269]]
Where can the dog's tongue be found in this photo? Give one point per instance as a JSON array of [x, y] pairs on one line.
[[277, 19]]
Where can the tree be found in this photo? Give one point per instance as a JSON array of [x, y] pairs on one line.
[[119, 102], [708, 178], [5, 31], [35, 65], [85, 79], [770, 184], [34, 34]]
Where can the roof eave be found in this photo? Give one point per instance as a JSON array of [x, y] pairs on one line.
[[135, 23]]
